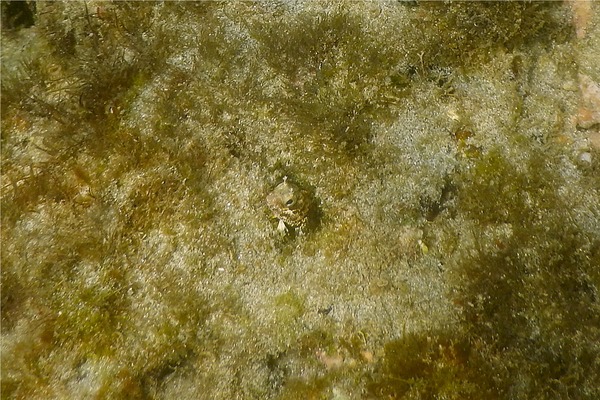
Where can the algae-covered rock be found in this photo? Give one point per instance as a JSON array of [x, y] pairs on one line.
[[447, 239]]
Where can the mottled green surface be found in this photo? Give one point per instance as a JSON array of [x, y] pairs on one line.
[[453, 252]]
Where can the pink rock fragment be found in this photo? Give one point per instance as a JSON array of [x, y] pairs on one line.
[[588, 113]]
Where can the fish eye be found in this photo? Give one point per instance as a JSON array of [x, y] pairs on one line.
[[289, 203]]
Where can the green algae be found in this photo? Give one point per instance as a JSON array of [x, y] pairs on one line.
[[455, 243]]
